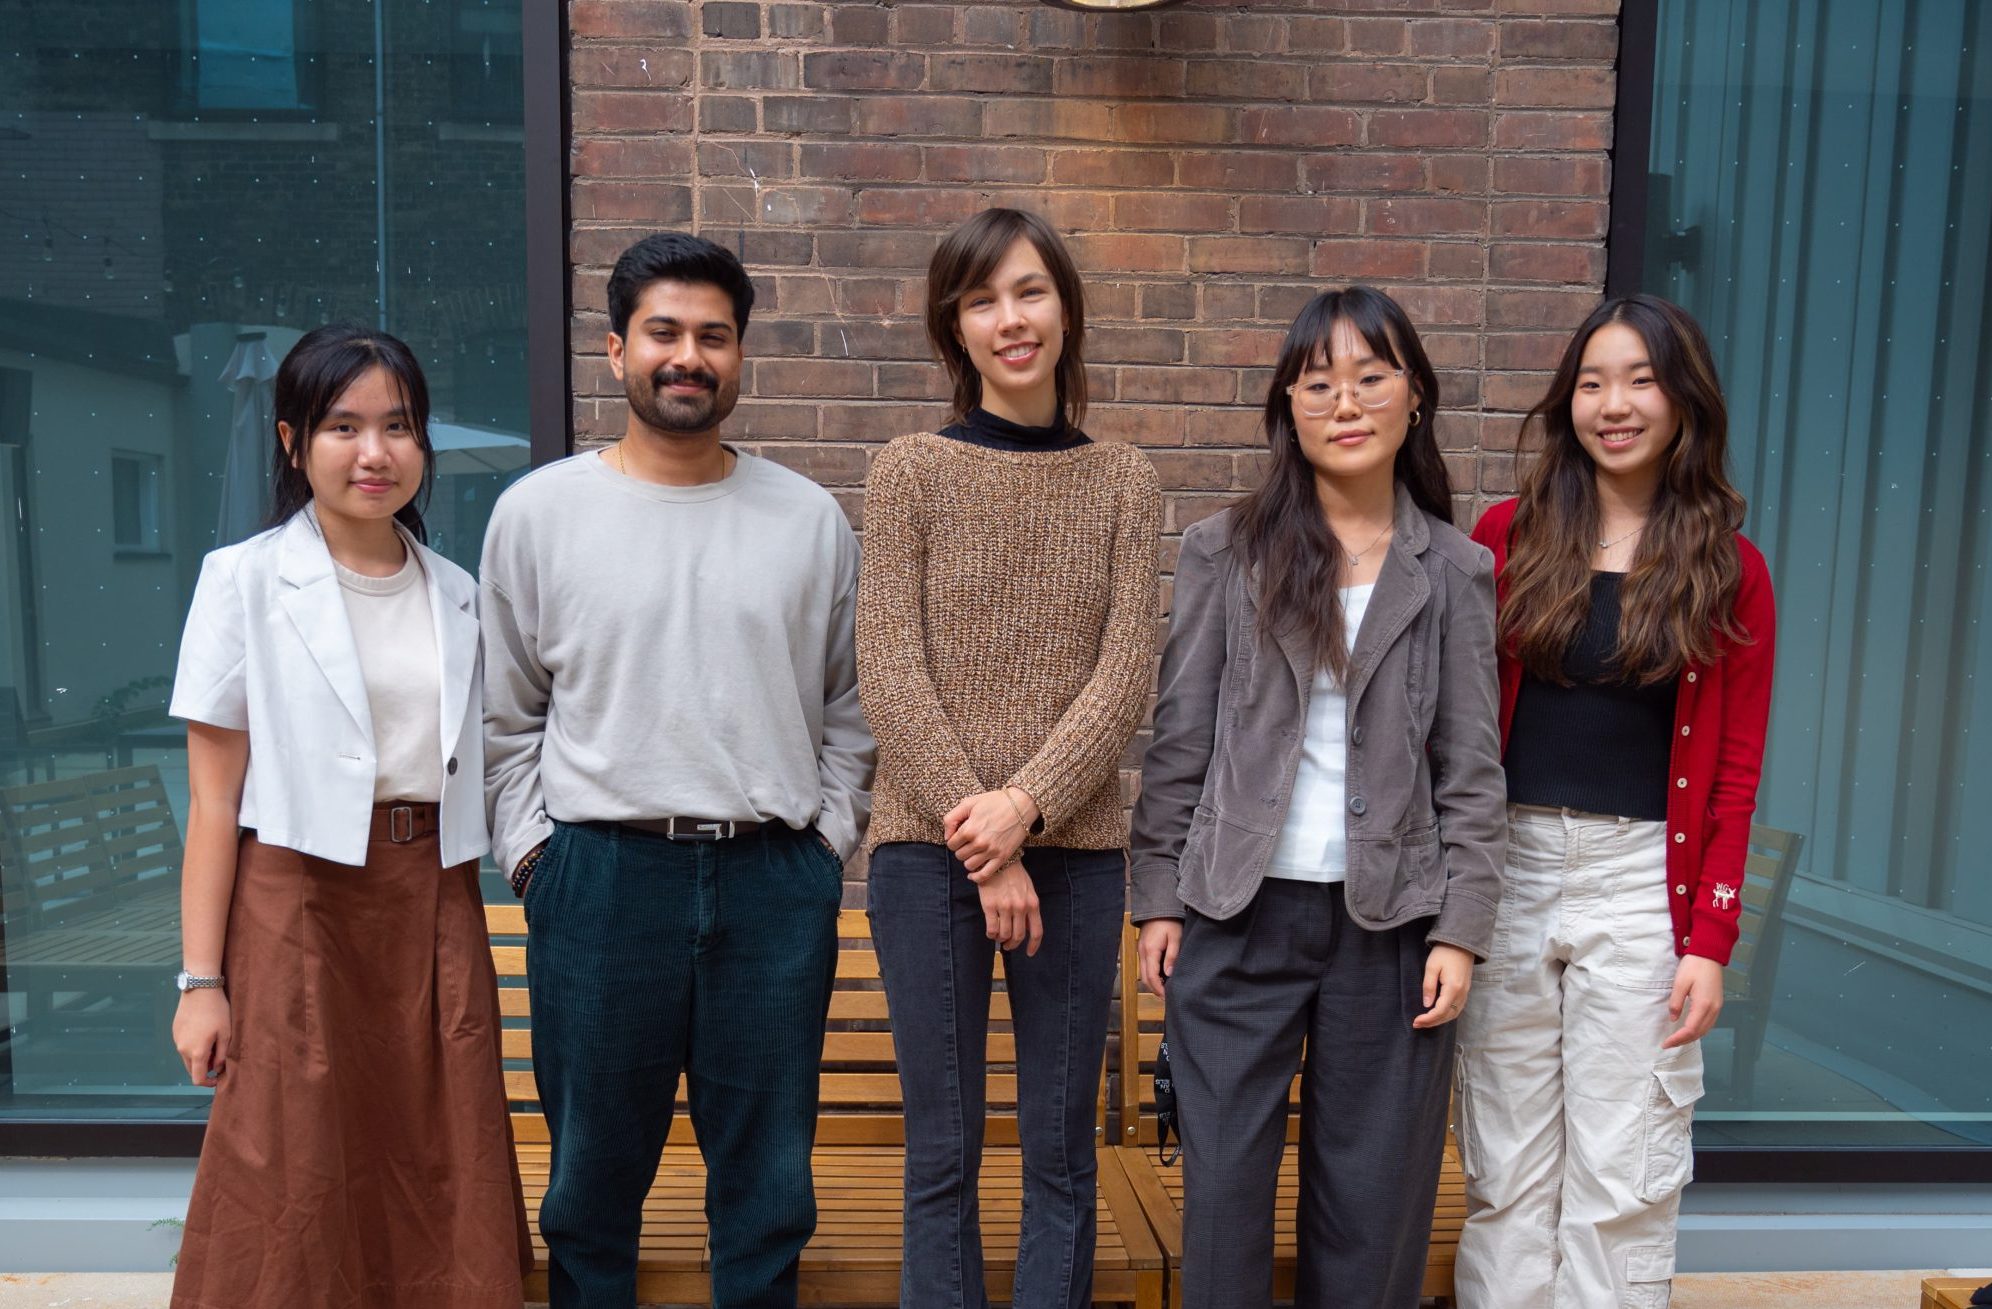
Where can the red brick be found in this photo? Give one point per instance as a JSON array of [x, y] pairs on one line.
[[1068, 211], [1222, 427], [863, 70], [1530, 39], [1598, 8], [1531, 350], [1459, 129], [644, 157], [1077, 120], [629, 111], [921, 207], [776, 206], [992, 25], [812, 377], [807, 113], [1233, 347], [1453, 38], [1459, 174], [1128, 253], [1196, 470], [1178, 385], [1576, 219], [1535, 175], [1246, 79], [1001, 74], [732, 113], [1317, 36], [1553, 309], [1313, 126], [1556, 88], [985, 163], [1441, 306], [923, 115], [874, 250], [860, 26], [1368, 260], [1167, 211], [1175, 124], [1238, 170], [1117, 78], [913, 382], [1465, 259], [669, 19], [760, 160], [1583, 264], [1378, 36], [1513, 392], [871, 340], [1254, 34], [1461, 84], [644, 202], [860, 161], [749, 70], [1170, 300], [1356, 83], [1111, 344], [1186, 33], [1308, 215], [1423, 215], [924, 25], [1553, 131], [1248, 254], [624, 67], [1229, 302], [1354, 170], [796, 21], [1113, 167]]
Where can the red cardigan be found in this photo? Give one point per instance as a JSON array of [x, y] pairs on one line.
[[1720, 715]]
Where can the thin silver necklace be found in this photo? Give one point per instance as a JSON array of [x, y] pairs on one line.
[[1357, 556], [1606, 545]]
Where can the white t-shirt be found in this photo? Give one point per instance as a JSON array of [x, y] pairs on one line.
[[1314, 843], [396, 637]]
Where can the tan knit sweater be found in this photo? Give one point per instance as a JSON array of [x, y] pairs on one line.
[[1006, 630]]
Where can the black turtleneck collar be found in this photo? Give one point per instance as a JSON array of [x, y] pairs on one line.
[[985, 429]]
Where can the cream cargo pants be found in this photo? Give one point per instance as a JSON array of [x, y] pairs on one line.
[[1574, 1124]]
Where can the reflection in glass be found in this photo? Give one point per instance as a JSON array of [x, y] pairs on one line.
[[1820, 179], [191, 185]]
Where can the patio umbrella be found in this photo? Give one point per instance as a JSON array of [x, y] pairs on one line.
[[245, 495]]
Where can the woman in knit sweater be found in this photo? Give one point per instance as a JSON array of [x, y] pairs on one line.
[[1006, 616]]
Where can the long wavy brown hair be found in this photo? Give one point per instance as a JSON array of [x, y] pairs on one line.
[[1279, 528], [1678, 600]]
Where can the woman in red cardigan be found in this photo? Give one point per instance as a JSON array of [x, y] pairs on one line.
[[1636, 630]]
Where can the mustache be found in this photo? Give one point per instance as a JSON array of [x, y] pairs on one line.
[[664, 377]]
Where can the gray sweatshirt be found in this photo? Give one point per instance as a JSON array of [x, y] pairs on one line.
[[655, 652]]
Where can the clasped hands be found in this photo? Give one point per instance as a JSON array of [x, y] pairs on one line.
[[986, 833]]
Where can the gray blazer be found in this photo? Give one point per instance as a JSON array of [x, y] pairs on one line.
[[1427, 820]]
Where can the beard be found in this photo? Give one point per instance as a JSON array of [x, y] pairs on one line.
[[680, 415]]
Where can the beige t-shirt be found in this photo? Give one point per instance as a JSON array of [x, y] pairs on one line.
[[396, 635]]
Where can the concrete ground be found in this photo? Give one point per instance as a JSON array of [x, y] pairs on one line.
[[1696, 1291]]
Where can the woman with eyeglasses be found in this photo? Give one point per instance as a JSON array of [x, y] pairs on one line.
[[1318, 843]]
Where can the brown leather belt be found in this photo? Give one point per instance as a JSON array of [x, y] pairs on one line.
[[694, 829], [402, 821]]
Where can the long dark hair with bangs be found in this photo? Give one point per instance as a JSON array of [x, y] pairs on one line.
[[1677, 602], [1279, 529], [310, 380], [963, 261]]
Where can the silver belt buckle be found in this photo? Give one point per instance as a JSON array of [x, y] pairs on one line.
[[712, 831], [401, 824]]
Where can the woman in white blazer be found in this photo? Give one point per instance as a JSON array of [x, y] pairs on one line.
[[338, 990]]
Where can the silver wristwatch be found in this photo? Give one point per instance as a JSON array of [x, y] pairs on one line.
[[186, 981]]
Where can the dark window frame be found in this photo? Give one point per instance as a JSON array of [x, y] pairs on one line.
[[550, 413], [1625, 253]]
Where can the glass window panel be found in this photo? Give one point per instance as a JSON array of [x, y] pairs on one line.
[[156, 261], [1822, 201]]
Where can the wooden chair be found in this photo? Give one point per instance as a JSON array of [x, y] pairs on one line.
[[1161, 1189], [1949, 1292], [1749, 980], [859, 1158]]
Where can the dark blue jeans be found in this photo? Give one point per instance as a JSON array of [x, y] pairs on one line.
[[647, 958], [938, 965]]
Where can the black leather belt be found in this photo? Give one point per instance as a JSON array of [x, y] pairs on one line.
[[694, 829]]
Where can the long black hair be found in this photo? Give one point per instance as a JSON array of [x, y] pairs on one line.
[[1279, 528], [312, 377]]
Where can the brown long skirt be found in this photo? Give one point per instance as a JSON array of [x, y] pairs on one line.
[[358, 1155]]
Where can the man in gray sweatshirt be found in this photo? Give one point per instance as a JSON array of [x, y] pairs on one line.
[[676, 769]]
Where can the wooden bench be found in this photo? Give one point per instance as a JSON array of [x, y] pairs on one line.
[[90, 910], [859, 1158], [1949, 1292], [1160, 1189]]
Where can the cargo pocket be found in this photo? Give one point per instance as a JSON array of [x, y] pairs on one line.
[[1667, 1157], [1465, 1129], [1649, 1276]]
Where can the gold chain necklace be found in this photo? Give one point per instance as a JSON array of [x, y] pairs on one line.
[[1606, 545], [1357, 556]]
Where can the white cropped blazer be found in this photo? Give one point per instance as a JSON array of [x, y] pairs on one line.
[[268, 650]]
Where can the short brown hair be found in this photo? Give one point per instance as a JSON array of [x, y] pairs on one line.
[[963, 261]]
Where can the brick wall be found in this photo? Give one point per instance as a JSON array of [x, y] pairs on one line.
[[1213, 166]]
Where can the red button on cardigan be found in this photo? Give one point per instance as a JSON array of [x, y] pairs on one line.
[[1721, 713]]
